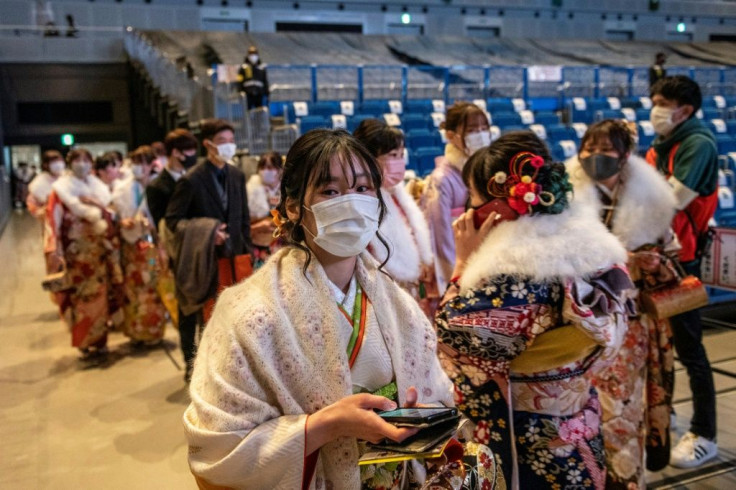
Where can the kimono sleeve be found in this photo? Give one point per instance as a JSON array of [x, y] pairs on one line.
[[237, 437]]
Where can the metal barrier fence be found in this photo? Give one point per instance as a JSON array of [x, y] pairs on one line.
[[400, 82]]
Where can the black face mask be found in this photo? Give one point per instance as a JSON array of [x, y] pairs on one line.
[[600, 167], [189, 161]]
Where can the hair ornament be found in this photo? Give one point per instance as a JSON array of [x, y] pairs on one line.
[[519, 189], [279, 221]]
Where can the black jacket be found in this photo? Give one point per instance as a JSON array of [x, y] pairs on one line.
[[253, 79], [197, 195], [158, 194]]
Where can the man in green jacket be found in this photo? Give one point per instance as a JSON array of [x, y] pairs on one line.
[[685, 151]]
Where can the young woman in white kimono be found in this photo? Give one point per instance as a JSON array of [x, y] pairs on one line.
[[52, 166], [404, 226], [283, 381], [637, 204], [141, 259], [81, 239]]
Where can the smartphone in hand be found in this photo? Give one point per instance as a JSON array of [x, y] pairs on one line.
[[420, 417], [499, 206]]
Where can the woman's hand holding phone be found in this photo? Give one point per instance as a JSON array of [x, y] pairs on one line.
[[354, 416], [468, 238]]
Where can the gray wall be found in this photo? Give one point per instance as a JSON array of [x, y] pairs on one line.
[[530, 18], [64, 83]]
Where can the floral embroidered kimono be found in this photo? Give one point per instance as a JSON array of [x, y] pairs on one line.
[[275, 351], [410, 262], [636, 389], [84, 236], [539, 303], [145, 267]]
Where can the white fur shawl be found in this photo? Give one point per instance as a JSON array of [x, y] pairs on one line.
[[646, 203], [273, 352], [409, 242], [123, 200], [69, 189], [258, 206], [572, 244], [40, 187]]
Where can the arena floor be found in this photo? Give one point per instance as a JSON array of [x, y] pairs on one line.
[[119, 426]]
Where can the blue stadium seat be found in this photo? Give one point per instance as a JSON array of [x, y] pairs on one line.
[[726, 143], [499, 105], [418, 138], [308, 123], [546, 118], [562, 150], [711, 113], [645, 141], [643, 114], [419, 106], [325, 108], [631, 102], [509, 129], [413, 121], [354, 121], [505, 119], [559, 132], [717, 126], [731, 125], [424, 158], [608, 114], [708, 103], [376, 108]]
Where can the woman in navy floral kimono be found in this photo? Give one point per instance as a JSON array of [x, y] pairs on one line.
[[538, 295]]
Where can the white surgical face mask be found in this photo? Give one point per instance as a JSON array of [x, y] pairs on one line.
[[56, 167], [138, 171], [476, 141], [661, 119], [253, 58], [226, 151], [269, 176], [81, 168], [345, 224]]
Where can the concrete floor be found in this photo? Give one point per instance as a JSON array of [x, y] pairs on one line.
[[119, 426]]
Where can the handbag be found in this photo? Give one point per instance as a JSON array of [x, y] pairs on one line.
[[667, 300], [57, 282]]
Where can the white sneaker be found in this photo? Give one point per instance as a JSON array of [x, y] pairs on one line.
[[692, 451]]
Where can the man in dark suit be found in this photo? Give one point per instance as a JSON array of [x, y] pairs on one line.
[[181, 152], [212, 189]]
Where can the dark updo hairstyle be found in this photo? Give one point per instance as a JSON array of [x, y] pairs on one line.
[[49, 156], [457, 116], [144, 154], [308, 166], [613, 129], [483, 165], [79, 153], [379, 137], [272, 157]]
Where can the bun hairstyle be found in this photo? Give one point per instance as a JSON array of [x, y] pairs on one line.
[[307, 167], [457, 116], [378, 137], [485, 164], [613, 129]]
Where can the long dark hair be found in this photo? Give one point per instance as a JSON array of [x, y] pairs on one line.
[[483, 165], [308, 166]]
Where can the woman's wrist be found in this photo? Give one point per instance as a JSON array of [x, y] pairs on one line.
[[320, 430]]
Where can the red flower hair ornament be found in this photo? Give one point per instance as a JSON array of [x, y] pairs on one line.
[[521, 191]]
